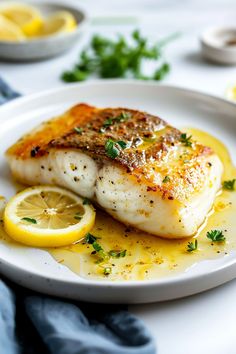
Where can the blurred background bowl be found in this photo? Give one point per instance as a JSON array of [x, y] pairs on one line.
[[44, 48]]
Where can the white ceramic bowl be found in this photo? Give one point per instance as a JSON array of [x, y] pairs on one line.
[[219, 45], [43, 48]]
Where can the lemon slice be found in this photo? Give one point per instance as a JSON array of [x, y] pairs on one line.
[[59, 22], [27, 17], [231, 93], [47, 216], [9, 31]]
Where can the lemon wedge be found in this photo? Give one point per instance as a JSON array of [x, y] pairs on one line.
[[59, 22], [9, 31], [27, 17], [47, 216]]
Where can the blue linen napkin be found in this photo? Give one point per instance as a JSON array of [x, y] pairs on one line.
[[32, 323]]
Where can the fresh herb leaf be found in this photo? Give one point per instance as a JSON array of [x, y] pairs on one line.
[[166, 179], [92, 240], [97, 247], [192, 246], [122, 144], [216, 236], [113, 148], [162, 72], [117, 254], [78, 130], [86, 201], [89, 238], [229, 185], [119, 58], [186, 140], [124, 116], [107, 270], [32, 221]]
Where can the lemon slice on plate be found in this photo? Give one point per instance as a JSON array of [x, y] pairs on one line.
[[59, 22], [9, 31], [27, 17], [47, 216]]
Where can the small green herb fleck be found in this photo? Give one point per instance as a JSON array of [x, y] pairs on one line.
[[166, 179], [86, 201], [111, 121], [89, 238], [78, 130], [32, 221], [216, 236], [192, 246], [229, 185], [117, 254], [186, 140], [97, 247], [107, 270], [113, 148]]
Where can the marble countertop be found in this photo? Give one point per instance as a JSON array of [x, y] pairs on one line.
[[203, 323]]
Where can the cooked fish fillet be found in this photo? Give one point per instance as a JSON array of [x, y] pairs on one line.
[[148, 175]]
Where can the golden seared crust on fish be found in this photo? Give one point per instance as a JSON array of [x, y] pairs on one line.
[[138, 168], [153, 146]]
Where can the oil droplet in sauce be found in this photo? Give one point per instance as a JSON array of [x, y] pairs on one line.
[[151, 257]]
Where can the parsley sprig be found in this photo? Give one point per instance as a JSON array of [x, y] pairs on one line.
[[102, 255], [216, 236], [114, 148], [119, 58], [192, 246], [229, 185], [186, 140]]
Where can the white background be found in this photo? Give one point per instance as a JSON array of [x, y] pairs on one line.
[[205, 323]]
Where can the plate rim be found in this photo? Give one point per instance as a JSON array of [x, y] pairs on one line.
[[180, 278]]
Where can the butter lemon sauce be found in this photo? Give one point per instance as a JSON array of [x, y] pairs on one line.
[[151, 257]]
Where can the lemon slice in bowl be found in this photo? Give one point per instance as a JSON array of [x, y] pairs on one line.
[[9, 31], [59, 22], [47, 216], [27, 17]]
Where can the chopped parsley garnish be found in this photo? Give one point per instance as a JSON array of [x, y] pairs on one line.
[[97, 247], [192, 246], [166, 179], [89, 238], [107, 270], [78, 130], [117, 254], [119, 58], [216, 236], [92, 240], [86, 201], [229, 185], [113, 148], [186, 140], [32, 221], [124, 116]]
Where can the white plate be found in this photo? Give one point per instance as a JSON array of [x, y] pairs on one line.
[[35, 268]]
